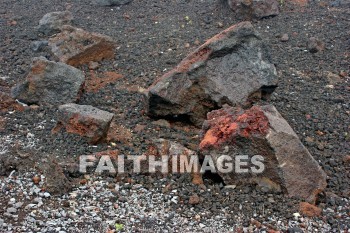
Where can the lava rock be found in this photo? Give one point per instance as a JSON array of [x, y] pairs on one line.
[[315, 45], [284, 37], [52, 22], [254, 8], [75, 46], [286, 164], [84, 120], [194, 200], [232, 68], [50, 83], [111, 2]]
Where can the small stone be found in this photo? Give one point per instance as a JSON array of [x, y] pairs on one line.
[[36, 179], [284, 37], [93, 65], [18, 205], [346, 159], [343, 74], [220, 25], [194, 200], [83, 181], [11, 210], [162, 123], [187, 45], [315, 45], [47, 195]]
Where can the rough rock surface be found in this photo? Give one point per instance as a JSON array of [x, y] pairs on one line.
[[75, 46], [289, 167], [111, 2], [84, 120], [254, 8], [52, 22], [231, 68], [50, 83]]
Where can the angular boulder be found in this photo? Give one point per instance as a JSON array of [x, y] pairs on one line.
[[254, 9], [261, 131], [231, 68], [52, 22], [50, 83], [84, 120], [75, 47]]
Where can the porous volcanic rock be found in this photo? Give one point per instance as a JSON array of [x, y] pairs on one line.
[[84, 120], [289, 167], [50, 83], [75, 47], [52, 22], [254, 8], [231, 68]]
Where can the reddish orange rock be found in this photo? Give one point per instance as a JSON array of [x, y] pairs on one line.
[[36, 179], [194, 200], [261, 133], [223, 125], [309, 210]]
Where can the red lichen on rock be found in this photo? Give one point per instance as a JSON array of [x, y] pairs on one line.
[[81, 125], [226, 124], [199, 55]]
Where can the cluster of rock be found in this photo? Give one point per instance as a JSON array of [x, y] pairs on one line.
[[220, 82], [218, 87], [60, 84]]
